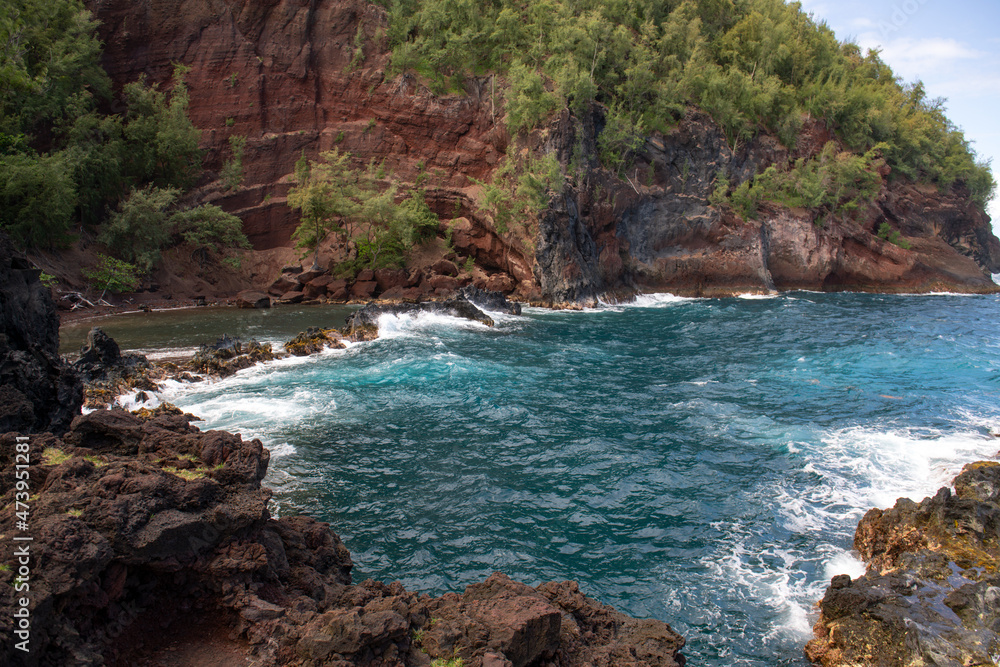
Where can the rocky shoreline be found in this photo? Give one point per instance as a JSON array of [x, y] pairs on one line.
[[931, 595], [142, 523]]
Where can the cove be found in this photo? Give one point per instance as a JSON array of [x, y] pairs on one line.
[[704, 462]]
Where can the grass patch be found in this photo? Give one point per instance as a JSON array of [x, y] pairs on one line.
[[96, 460], [185, 474], [52, 456], [454, 662], [4, 567], [75, 512]]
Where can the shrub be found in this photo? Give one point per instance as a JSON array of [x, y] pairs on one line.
[[113, 275], [140, 229]]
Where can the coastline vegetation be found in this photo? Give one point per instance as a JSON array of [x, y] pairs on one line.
[[67, 163], [334, 197], [753, 65]]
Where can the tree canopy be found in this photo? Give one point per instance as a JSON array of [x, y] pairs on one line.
[[751, 64]]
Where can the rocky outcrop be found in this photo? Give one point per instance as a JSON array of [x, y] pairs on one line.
[[38, 390], [285, 74], [313, 340], [107, 373], [141, 520], [228, 355], [932, 591], [489, 300]]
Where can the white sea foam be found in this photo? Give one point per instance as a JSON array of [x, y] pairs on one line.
[[401, 326], [658, 300], [752, 296], [281, 449]]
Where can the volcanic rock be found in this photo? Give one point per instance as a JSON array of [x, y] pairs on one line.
[[489, 300], [252, 299], [228, 355], [931, 592], [38, 390], [313, 340]]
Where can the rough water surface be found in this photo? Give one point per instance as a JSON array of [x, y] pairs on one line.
[[704, 462]]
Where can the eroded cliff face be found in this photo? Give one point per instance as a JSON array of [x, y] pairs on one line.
[[285, 73]]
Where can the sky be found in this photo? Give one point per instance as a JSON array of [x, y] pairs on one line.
[[952, 46]]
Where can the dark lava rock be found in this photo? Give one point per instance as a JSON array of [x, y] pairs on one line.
[[228, 355], [38, 390], [142, 519], [369, 315], [487, 300], [101, 358], [932, 591], [313, 340]]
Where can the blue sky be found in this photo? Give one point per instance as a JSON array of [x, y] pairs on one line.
[[953, 47]]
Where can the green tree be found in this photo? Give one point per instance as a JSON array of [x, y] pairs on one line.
[[208, 227], [140, 229], [37, 198], [112, 274], [327, 195]]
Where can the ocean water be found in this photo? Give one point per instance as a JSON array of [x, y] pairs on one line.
[[701, 461]]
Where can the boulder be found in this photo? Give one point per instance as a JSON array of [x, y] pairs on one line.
[[500, 282], [282, 285], [252, 299], [439, 282], [389, 278], [291, 297], [306, 276], [445, 268], [363, 289]]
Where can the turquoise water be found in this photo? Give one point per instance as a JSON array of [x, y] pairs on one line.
[[703, 462]]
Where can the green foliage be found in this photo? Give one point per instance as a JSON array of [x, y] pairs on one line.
[[208, 226], [334, 197], [163, 144], [113, 274], [720, 194], [527, 100], [620, 139], [885, 231], [47, 279], [232, 169], [837, 182], [139, 229], [751, 64], [326, 193], [37, 198], [520, 189]]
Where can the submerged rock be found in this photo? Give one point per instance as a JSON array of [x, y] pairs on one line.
[[489, 300], [932, 591]]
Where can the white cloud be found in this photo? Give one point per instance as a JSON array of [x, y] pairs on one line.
[[920, 58]]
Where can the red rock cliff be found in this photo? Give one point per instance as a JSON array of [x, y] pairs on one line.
[[280, 72]]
